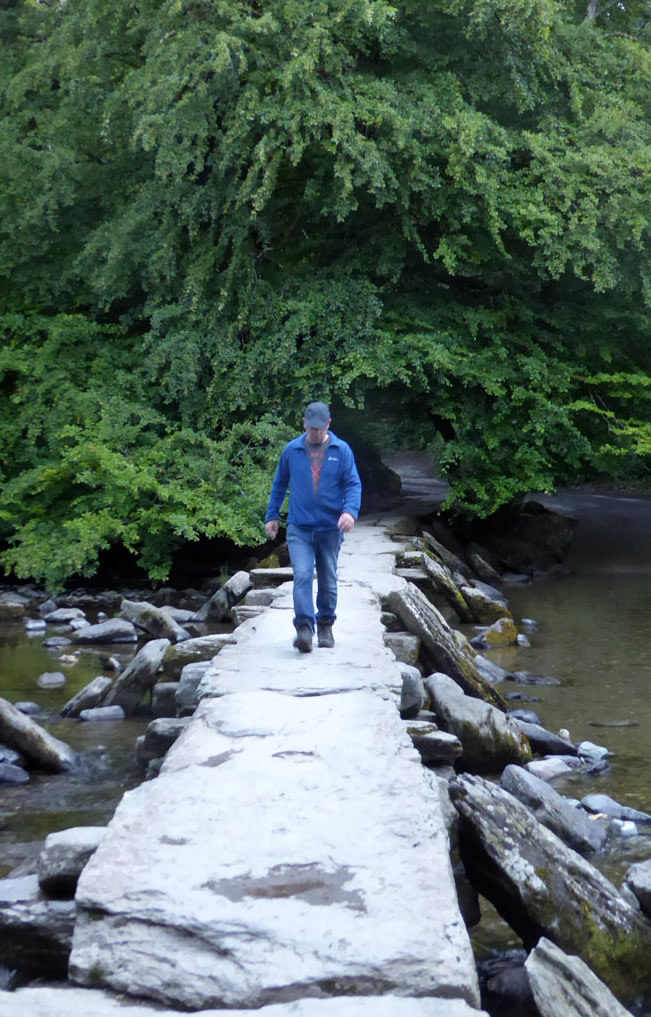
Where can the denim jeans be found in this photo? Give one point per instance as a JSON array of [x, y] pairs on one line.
[[307, 548]]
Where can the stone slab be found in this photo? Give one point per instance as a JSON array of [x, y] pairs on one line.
[[258, 864], [67, 1002]]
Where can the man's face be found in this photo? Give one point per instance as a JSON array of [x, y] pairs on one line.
[[316, 435]]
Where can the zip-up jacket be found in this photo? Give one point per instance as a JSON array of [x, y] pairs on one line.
[[339, 488]]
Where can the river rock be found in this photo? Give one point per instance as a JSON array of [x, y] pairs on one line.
[[555, 812], [35, 933], [593, 753], [54, 642], [159, 737], [638, 879], [526, 716], [63, 615], [489, 738], [413, 696], [154, 620], [63, 857], [51, 680], [180, 615], [138, 677], [442, 649], [187, 697], [489, 670], [549, 768], [484, 608], [405, 647], [443, 583], [262, 577], [12, 774], [56, 1001], [192, 651], [609, 807], [47, 607], [24, 735], [115, 630], [564, 986], [501, 633], [544, 887], [546, 742], [451, 560], [35, 624], [31, 709], [12, 606], [218, 608], [102, 713], [88, 698], [530, 678]]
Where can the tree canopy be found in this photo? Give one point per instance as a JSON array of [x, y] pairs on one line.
[[214, 211]]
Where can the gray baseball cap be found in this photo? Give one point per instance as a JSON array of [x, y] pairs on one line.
[[317, 415]]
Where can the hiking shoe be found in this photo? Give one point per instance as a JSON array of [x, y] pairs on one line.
[[303, 641], [326, 638]]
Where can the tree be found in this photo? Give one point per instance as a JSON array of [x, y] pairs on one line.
[[439, 212]]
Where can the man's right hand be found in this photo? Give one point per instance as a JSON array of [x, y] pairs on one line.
[[271, 529]]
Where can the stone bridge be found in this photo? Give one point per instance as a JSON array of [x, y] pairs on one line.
[[292, 857]]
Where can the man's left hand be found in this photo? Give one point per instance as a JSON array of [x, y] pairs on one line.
[[346, 522]]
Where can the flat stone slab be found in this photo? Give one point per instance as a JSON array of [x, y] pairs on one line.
[[290, 847], [57, 1002]]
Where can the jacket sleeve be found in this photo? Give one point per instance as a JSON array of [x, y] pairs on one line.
[[352, 486], [278, 488]]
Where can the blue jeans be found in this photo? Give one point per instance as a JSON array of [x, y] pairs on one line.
[[307, 548]]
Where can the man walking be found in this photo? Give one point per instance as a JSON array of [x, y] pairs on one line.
[[324, 498]]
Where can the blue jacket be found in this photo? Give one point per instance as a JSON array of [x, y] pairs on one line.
[[339, 488]]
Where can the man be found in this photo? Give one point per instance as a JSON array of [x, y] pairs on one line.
[[324, 498]]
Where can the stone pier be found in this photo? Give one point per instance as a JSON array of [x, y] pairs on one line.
[[291, 858]]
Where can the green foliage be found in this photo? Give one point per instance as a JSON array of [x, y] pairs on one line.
[[213, 211]]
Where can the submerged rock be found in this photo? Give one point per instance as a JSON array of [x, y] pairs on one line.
[[609, 807]]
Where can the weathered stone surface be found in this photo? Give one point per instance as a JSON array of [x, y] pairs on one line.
[[24, 735], [547, 769], [219, 607], [242, 612], [163, 699], [489, 738], [64, 856], [71, 1002], [160, 736], [115, 630], [203, 648], [443, 649], [564, 986], [451, 560], [262, 598], [138, 677], [262, 578], [543, 887], [293, 907], [553, 811], [35, 933], [503, 632], [90, 696], [404, 647], [187, 698], [432, 745], [154, 620]]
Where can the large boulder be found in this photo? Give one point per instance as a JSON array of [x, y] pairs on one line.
[[90, 696], [443, 583], [442, 649], [193, 651], [484, 608], [32, 741], [138, 677], [154, 620], [542, 887], [563, 986], [489, 738], [565, 820]]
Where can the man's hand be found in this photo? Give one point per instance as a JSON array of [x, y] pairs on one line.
[[271, 529], [346, 522]]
